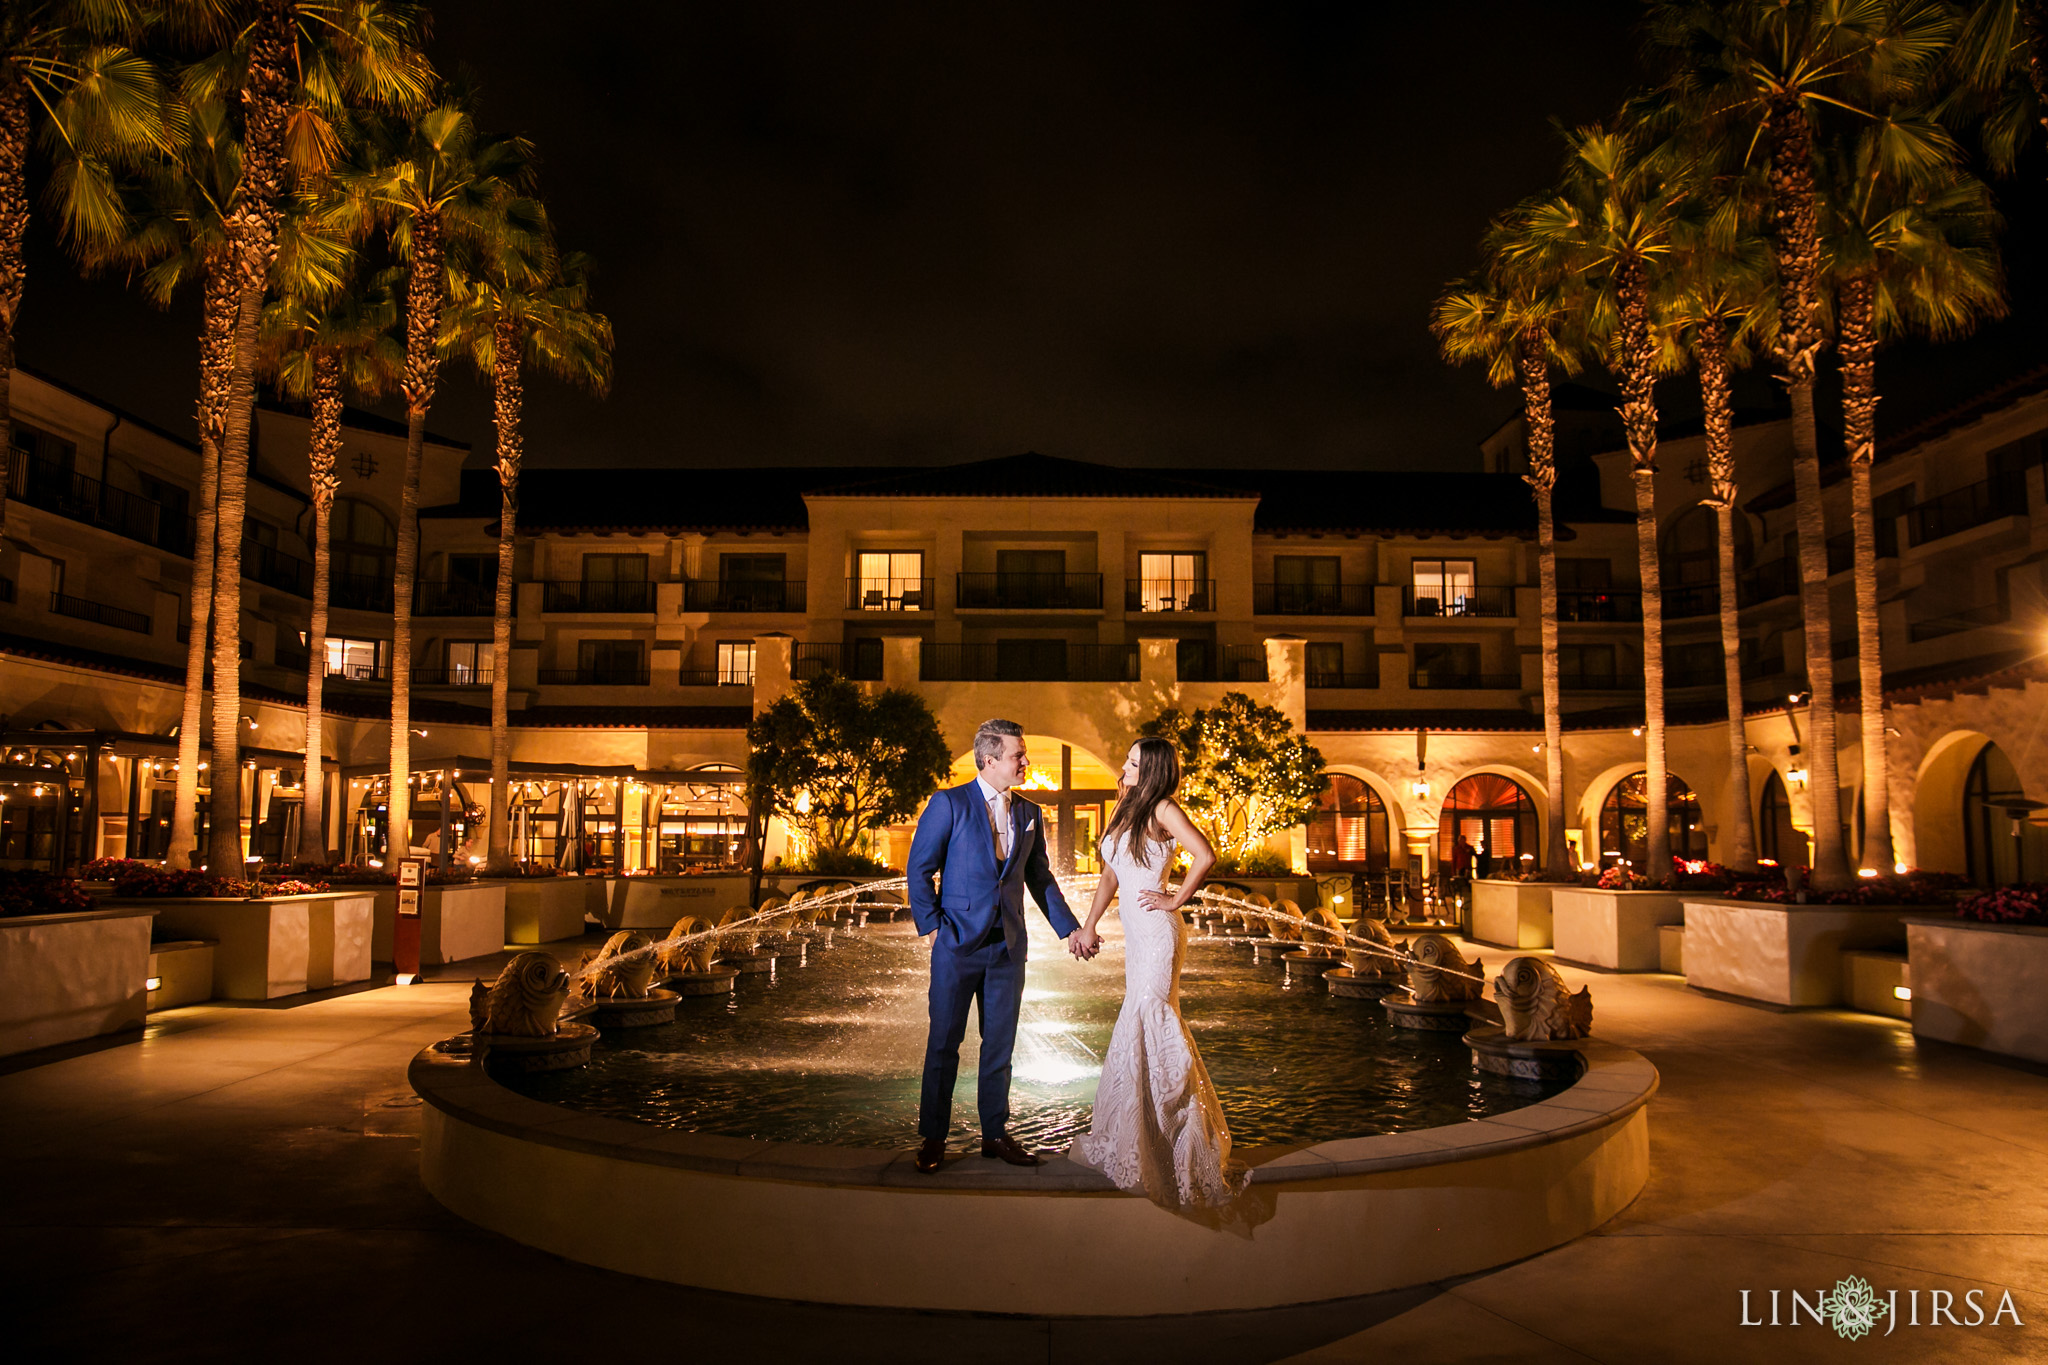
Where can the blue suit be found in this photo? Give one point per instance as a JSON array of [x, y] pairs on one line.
[[978, 956]]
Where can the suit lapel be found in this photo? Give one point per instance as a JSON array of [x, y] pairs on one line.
[[972, 796], [1017, 807]]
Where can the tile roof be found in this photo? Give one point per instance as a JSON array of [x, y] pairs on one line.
[[1032, 475]]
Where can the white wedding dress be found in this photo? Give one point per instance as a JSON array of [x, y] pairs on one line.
[[1158, 1128]]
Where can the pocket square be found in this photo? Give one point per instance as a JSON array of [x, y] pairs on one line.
[[1030, 825]]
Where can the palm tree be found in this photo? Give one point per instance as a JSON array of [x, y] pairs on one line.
[[1998, 77], [1717, 307], [1758, 73], [68, 66], [296, 68], [325, 347], [515, 305], [1616, 216], [1913, 247], [435, 180], [1515, 320]]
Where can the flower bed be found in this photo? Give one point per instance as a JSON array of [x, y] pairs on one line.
[[1981, 982], [2026, 904]]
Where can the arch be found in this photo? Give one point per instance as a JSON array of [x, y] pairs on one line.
[[1777, 838], [1072, 785], [1497, 815], [1624, 824], [1998, 850], [1689, 547], [1350, 831], [363, 540]]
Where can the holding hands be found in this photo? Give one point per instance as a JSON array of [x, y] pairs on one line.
[[1084, 943]]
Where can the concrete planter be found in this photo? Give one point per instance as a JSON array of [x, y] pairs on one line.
[[1612, 929], [71, 976], [1783, 954], [460, 921], [1982, 985], [183, 972], [1512, 914], [277, 945], [545, 909]]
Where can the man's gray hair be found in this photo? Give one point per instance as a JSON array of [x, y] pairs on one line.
[[988, 740]]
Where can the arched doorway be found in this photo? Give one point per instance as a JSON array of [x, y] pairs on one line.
[[1073, 787], [1497, 817], [1993, 854], [1348, 832], [1777, 839], [1625, 820]]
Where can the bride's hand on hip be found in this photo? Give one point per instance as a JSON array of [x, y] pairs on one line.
[[1156, 900]]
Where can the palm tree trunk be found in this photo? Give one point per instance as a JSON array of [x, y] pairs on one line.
[[505, 397], [14, 131], [216, 366], [1795, 241], [1533, 362], [1856, 309], [251, 229], [322, 452], [1638, 363], [1717, 398], [423, 296]]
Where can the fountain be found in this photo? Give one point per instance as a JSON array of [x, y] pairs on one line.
[[517, 1018], [740, 945], [1541, 1022], [1442, 989], [613, 984], [689, 960], [1322, 950], [794, 1109], [1375, 965]]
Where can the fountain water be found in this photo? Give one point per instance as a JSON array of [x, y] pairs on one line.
[[1443, 988], [614, 984]]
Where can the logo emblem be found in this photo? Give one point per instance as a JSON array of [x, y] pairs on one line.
[[1853, 1309]]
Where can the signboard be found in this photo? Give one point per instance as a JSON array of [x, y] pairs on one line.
[[405, 930]]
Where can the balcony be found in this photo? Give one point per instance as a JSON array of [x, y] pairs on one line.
[[709, 677], [1767, 582], [268, 566], [617, 675], [1312, 599], [360, 592], [1600, 682], [1689, 600], [461, 675], [1584, 606], [1028, 591], [99, 613], [860, 661], [1330, 682], [1487, 601], [598, 597], [457, 599], [56, 488], [1451, 680], [2002, 495], [739, 595], [1046, 661], [1163, 595], [891, 594], [1200, 661]]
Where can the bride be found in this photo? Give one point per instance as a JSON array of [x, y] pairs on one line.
[[1158, 1127]]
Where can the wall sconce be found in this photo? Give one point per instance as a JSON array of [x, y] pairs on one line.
[[1636, 730], [1794, 698], [1420, 786], [1797, 776]]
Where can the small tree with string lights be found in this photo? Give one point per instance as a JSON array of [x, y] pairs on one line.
[[836, 763], [1246, 775]]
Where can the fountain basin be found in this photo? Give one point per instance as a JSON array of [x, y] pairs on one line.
[[1432, 1016], [717, 981], [799, 1221], [635, 1011]]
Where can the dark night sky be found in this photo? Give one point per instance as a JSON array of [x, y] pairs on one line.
[[1149, 233]]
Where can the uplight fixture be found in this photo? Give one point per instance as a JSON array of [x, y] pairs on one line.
[[1902, 992], [154, 983]]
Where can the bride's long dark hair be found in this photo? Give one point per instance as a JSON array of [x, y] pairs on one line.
[[1158, 779]]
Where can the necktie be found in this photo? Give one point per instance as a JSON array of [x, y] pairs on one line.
[[999, 823]]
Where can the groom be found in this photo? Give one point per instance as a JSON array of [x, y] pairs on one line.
[[987, 846]]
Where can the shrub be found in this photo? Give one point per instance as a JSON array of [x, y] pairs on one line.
[[2026, 904], [112, 869], [826, 862], [1260, 862], [159, 882], [362, 874], [1620, 878], [40, 893]]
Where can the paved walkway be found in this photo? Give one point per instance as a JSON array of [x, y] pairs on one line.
[[241, 1183]]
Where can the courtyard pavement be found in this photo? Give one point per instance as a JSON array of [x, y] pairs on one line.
[[241, 1183]]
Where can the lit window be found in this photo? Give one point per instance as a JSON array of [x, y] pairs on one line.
[[1173, 582], [735, 663], [469, 661], [891, 580], [357, 658], [1445, 582]]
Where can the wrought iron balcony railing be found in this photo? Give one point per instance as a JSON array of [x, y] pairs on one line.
[[100, 613], [1199, 661], [1451, 680], [460, 675], [2001, 495], [360, 592], [1692, 599], [1583, 605], [1479, 600], [1329, 682], [1028, 591], [54, 487], [1029, 661], [859, 661], [598, 597], [1312, 599], [616, 675], [891, 594], [1176, 595], [457, 599], [268, 565]]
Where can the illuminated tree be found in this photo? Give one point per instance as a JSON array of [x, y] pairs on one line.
[[837, 763], [1245, 774]]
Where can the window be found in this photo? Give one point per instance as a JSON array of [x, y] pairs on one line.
[[752, 568], [364, 540], [1887, 508], [890, 580], [1305, 583], [610, 568], [1031, 660], [1325, 663], [611, 661], [1698, 664], [1441, 585], [1027, 563], [1692, 549], [1777, 838], [1625, 821], [479, 569], [1348, 831], [735, 663], [1445, 665], [169, 496], [357, 658], [1586, 665], [1173, 582], [1584, 575], [1496, 817], [469, 661], [45, 448], [260, 533]]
